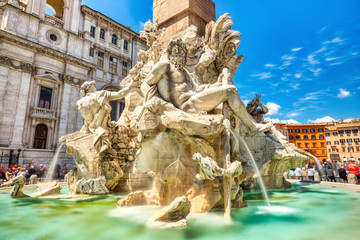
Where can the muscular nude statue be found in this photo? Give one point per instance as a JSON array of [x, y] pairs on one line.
[[95, 106], [174, 84], [258, 115]]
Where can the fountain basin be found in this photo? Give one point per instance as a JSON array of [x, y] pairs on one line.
[[303, 212]]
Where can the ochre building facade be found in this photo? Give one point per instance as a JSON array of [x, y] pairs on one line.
[[342, 139], [308, 137]]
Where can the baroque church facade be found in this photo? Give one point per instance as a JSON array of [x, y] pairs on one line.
[[44, 59]]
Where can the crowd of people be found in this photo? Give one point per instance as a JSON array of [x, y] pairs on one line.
[[331, 171], [30, 169]]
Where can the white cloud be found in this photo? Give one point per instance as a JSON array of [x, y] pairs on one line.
[[288, 57], [354, 53], [285, 76], [323, 29], [343, 93], [293, 114], [323, 119], [296, 49], [322, 49], [310, 96], [295, 85], [312, 60], [287, 61], [270, 65], [297, 75], [335, 63], [273, 108], [263, 75], [246, 102], [335, 40], [328, 59], [289, 121], [316, 71]]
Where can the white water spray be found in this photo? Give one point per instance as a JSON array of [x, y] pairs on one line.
[[262, 185], [51, 171], [321, 170]]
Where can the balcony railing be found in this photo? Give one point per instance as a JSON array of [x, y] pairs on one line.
[[54, 20], [43, 113]]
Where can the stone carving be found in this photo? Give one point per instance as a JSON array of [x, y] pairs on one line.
[[209, 168], [173, 215], [26, 67], [43, 189], [183, 123], [258, 115], [18, 184]]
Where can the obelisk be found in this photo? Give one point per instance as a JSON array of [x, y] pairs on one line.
[[177, 15]]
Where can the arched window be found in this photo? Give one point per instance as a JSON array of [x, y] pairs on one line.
[[41, 132], [117, 107], [114, 39], [125, 45], [55, 8], [102, 33]]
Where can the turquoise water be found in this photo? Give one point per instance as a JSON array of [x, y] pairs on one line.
[[304, 212]]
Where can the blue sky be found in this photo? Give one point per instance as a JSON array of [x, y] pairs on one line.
[[303, 56]]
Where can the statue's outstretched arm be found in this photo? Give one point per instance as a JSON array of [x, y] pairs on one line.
[[123, 92], [264, 108], [156, 73]]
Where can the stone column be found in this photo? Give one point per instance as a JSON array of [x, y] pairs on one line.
[[63, 118], [20, 109], [42, 9], [97, 35]]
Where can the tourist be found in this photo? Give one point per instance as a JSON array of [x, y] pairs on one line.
[[291, 173], [17, 170], [304, 173], [311, 173], [330, 173], [21, 172], [9, 174], [64, 170], [354, 169], [57, 171], [36, 169], [32, 170], [298, 173], [2, 174], [41, 171], [342, 173]]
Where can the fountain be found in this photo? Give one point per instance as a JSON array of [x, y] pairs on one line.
[[180, 153], [185, 139], [54, 161]]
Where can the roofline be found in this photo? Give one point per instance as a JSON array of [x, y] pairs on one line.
[[97, 12]]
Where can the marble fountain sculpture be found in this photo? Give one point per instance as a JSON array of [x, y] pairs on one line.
[[179, 141]]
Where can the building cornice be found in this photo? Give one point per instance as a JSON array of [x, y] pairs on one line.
[[9, 62], [45, 50], [112, 23]]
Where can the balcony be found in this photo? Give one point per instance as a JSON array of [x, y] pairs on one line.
[[37, 112], [54, 20]]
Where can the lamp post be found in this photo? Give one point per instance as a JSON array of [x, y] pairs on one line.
[[17, 156]]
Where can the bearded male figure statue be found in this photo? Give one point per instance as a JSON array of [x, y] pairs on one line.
[[174, 84]]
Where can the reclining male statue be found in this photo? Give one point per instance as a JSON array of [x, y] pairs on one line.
[[173, 83]]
